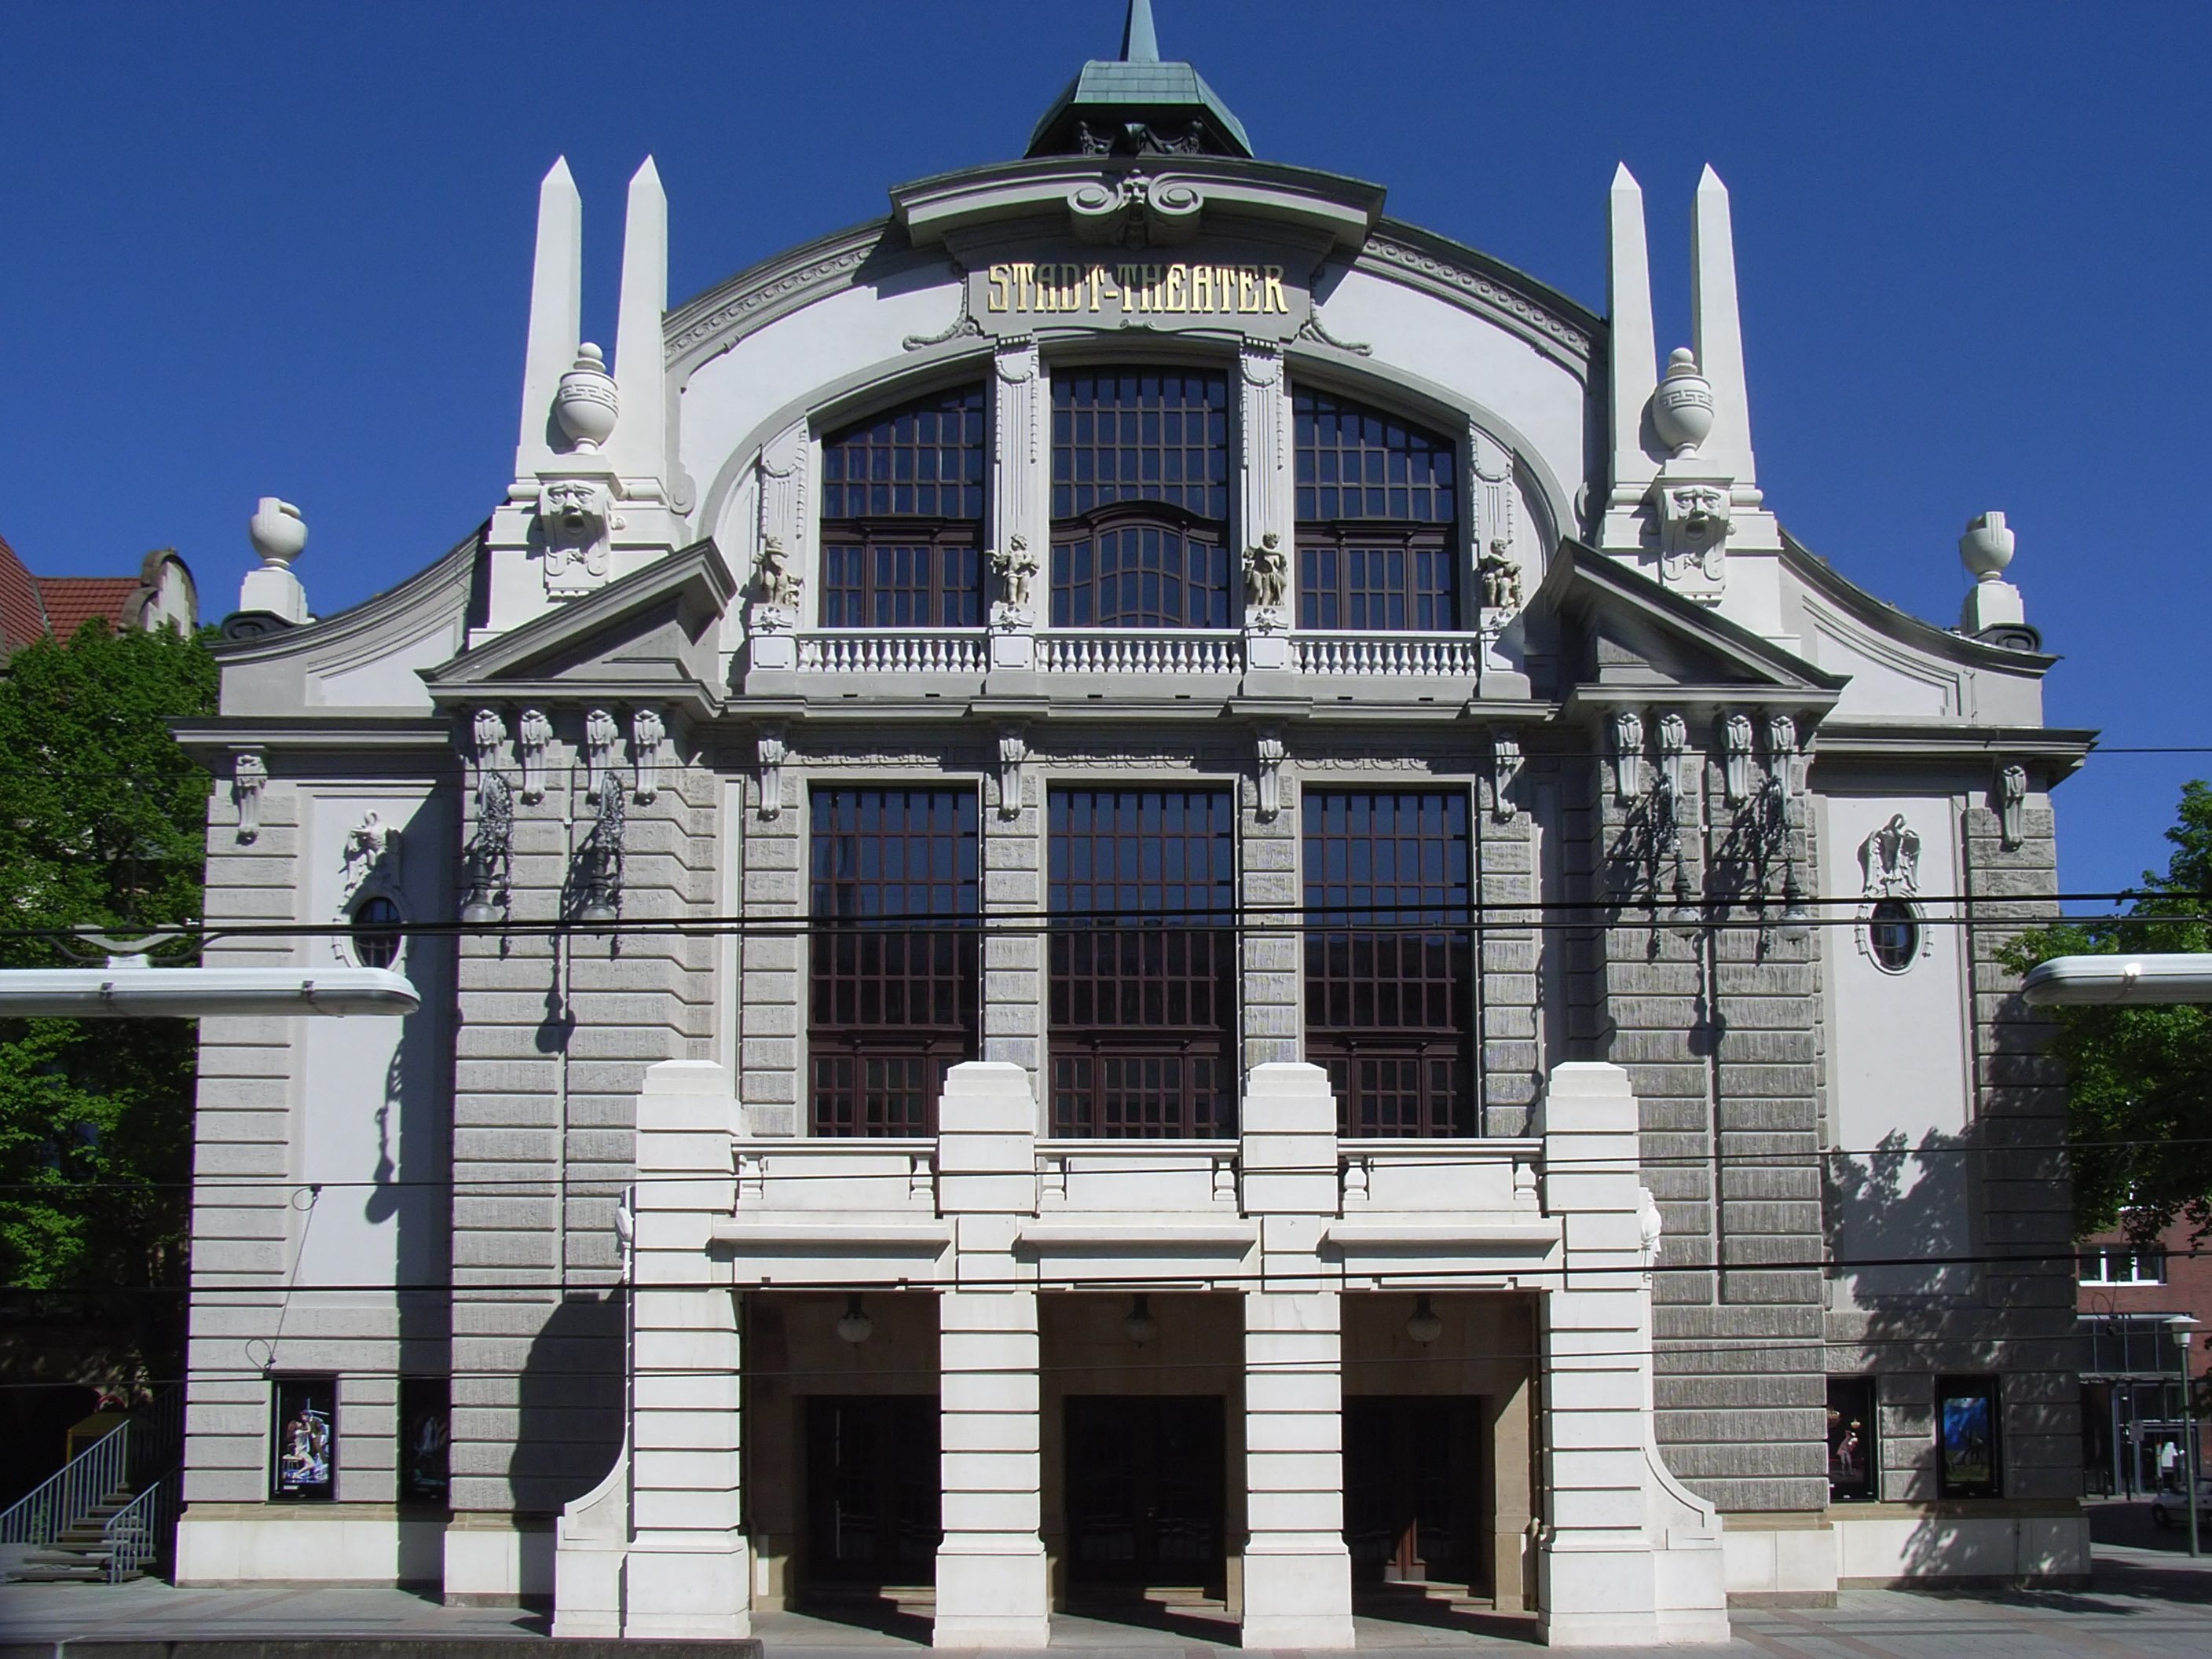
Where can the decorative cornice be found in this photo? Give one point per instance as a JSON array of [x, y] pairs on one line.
[[725, 315], [1492, 295]]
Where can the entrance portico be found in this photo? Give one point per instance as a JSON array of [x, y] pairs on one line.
[[1276, 1272]]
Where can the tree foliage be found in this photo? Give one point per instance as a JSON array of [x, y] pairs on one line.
[[102, 822], [2139, 1080]]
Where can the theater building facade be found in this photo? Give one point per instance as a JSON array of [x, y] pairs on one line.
[[1133, 883]]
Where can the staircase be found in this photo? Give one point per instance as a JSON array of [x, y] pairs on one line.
[[110, 1513]]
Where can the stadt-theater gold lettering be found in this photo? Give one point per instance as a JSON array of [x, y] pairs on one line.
[[1207, 290]]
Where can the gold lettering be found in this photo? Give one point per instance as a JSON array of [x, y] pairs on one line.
[[1177, 297], [1247, 289], [1128, 276], [1153, 275], [1273, 296], [1097, 282], [1024, 283], [1073, 277], [1201, 287], [998, 276]]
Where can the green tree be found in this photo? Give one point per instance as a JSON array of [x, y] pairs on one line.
[[2139, 1080], [102, 822]]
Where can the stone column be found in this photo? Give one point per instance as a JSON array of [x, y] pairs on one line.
[[992, 1586], [688, 1572], [1298, 1573]]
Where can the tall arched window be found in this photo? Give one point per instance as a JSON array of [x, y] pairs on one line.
[[903, 516], [1378, 512], [1140, 499]]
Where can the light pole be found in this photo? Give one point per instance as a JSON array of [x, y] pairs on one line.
[[2179, 1324]]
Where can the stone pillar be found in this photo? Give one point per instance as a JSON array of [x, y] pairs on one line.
[[1298, 1573], [1629, 1555], [991, 1585], [689, 1568]]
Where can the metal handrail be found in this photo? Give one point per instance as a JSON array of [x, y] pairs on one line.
[[150, 1438], [142, 1529]]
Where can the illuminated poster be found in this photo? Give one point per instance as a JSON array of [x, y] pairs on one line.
[[424, 1435], [305, 1440], [1966, 1437]]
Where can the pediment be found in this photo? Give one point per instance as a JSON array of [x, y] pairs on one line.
[[1621, 636], [652, 636]]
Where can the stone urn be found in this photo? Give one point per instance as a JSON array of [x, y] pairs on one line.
[[586, 404], [1986, 547], [1682, 407], [277, 531]]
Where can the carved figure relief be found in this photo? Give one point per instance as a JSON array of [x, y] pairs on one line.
[[1271, 755], [2012, 806], [1504, 772], [372, 846], [1500, 580], [249, 776], [1694, 530], [1013, 760], [1737, 739], [1627, 734], [1890, 859], [574, 518], [601, 734], [1267, 583], [777, 586], [1016, 567], [647, 734], [768, 748], [533, 735], [1651, 1228]]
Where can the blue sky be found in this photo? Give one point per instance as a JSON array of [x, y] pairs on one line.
[[285, 249]]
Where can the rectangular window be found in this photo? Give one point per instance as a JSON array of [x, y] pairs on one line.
[[303, 1464], [902, 516], [1852, 1442], [425, 1438], [1968, 1456], [1377, 508], [1143, 989], [2112, 1264], [894, 991], [1390, 959]]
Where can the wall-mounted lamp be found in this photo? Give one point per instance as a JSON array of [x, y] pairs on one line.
[[854, 1325], [1139, 1325], [1423, 1325], [1797, 916]]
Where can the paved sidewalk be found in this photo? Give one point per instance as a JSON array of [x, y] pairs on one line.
[[2149, 1600]]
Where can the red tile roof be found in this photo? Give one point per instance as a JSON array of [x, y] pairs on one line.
[[22, 613], [70, 600]]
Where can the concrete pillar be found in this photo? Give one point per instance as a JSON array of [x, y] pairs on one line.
[[688, 1572], [992, 1586], [1297, 1572]]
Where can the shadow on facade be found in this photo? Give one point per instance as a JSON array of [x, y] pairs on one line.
[[569, 1423]]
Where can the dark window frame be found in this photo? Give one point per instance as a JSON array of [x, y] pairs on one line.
[[1142, 1018], [894, 996], [1141, 535], [1957, 1458], [905, 506], [295, 1422], [1382, 552], [1390, 1011], [425, 1463], [1854, 1410]]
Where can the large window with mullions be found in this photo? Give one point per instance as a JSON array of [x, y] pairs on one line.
[[1140, 886], [1389, 958], [1140, 499], [893, 985], [1377, 520], [903, 516]]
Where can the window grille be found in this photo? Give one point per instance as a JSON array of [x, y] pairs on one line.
[[1143, 1004], [892, 998], [1140, 500], [1377, 513], [1388, 1005], [901, 517]]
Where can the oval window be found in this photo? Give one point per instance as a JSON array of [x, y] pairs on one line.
[[376, 932], [1894, 935]]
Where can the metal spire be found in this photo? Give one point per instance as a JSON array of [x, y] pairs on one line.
[[1139, 45]]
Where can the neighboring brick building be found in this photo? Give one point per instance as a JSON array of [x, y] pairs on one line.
[[2130, 1398], [1164, 884], [38, 607]]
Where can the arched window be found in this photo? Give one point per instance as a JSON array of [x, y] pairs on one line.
[[1892, 932], [1140, 499], [903, 516], [376, 932], [1377, 512]]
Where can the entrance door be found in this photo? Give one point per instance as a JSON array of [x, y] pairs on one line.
[[1145, 1489], [871, 1490], [1411, 1504]]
